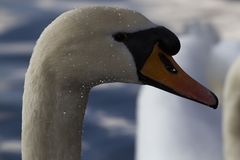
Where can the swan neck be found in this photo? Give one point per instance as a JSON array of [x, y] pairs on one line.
[[52, 121]]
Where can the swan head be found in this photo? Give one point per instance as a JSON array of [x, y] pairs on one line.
[[103, 44]]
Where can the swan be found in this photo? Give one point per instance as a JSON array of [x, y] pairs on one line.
[[172, 128], [222, 66], [231, 103], [86, 47]]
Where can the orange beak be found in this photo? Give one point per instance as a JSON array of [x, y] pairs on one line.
[[160, 70]]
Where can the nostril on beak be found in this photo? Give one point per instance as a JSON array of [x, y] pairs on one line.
[[168, 42]]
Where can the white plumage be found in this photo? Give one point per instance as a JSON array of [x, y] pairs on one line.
[[231, 120], [74, 53]]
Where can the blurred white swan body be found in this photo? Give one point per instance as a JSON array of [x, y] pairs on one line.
[[223, 75], [231, 114], [61, 72], [173, 128]]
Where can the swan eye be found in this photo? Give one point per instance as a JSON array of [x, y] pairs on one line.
[[120, 37], [167, 63]]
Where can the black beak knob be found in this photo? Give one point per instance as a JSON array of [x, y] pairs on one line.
[[168, 41]]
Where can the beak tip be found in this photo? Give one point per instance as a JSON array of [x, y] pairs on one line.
[[215, 104]]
